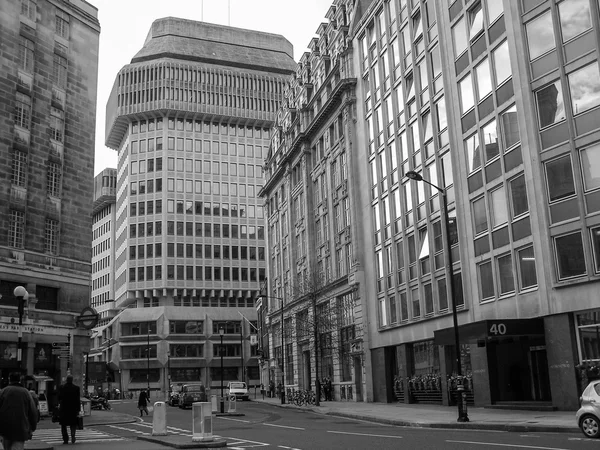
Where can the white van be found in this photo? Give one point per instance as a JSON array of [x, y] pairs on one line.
[[239, 389]]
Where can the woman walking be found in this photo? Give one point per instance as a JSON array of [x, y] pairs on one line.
[[143, 403]]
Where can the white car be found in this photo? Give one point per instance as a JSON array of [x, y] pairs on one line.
[[237, 389], [588, 416]]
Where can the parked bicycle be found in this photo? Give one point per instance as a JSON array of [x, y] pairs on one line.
[[300, 397]]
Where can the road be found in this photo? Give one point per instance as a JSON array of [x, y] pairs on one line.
[[270, 427]]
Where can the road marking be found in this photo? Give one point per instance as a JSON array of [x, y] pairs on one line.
[[365, 434], [54, 436], [507, 445], [234, 420], [289, 448], [283, 426]]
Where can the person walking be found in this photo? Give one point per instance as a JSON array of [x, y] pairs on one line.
[[70, 405], [18, 414], [143, 403], [36, 400]]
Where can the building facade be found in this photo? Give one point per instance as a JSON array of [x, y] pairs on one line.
[[49, 60], [314, 308], [497, 104], [190, 118]]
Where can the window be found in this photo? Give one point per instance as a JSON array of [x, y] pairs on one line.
[[506, 279], [51, 243], [559, 176], [459, 36], [574, 17], [494, 10], [501, 60], [56, 124], [60, 71], [479, 216], [540, 35], [596, 248], [510, 127], [518, 196], [28, 9], [551, 108], [527, 274], [16, 229], [467, 101], [22, 110], [590, 166], [569, 256], [475, 21], [584, 85], [62, 24], [499, 211], [483, 78], [19, 168], [486, 281], [473, 153], [53, 179], [26, 48], [186, 327], [490, 141]]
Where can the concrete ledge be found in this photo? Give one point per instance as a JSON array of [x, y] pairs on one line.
[[229, 414], [35, 444], [178, 441]]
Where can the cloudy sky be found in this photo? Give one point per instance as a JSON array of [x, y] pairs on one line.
[[125, 24]]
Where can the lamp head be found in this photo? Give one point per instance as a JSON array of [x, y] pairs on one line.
[[414, 175], [20, 291], [221, 331]]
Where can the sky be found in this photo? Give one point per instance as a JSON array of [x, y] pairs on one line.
[[125, 24]]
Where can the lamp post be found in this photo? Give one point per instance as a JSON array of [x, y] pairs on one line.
[[282, 349], [221, 333], [148, 360], [168, 374], [87, 372], [462, 411], [21, 294]]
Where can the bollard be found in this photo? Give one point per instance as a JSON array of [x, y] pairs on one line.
[[159, 419], [232, 404], [213, 401], [201, 422]]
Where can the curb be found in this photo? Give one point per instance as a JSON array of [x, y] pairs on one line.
[[217, 443]]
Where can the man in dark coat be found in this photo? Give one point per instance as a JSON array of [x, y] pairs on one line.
[[70, 405], [143, 403], [18, 414]]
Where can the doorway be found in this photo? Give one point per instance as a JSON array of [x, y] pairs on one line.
[[358, 378]]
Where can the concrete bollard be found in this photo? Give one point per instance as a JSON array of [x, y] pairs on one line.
[[213, 401], [159, 419], [232, 404], [202, 422]]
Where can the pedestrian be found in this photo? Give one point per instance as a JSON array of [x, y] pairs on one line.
[[279, 389], [328, 389], [36, 401], [18, 414], [271, 389], [70, 405], [143, 403]]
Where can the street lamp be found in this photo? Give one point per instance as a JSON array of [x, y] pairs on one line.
[[148, 360], [221, 333], [168, 374], [462, 411], [282, 350], [21, 294]]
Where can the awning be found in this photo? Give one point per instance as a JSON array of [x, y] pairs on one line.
[[486, 330]]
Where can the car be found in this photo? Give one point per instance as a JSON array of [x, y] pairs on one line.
[[190, 393], [173, 398], [588, 415], [237, 389]]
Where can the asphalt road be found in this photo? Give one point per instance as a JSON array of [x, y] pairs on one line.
[[271, 427]]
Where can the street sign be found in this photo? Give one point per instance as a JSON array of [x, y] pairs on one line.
[[61, 345], [61, 352]]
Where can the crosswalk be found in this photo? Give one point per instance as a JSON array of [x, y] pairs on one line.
[[54, 436]]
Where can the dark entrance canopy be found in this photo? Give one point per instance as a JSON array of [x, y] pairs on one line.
[[487, 330]]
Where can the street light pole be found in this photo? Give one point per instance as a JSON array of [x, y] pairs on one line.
[[87, 372], [221, 333], [21, 294], [462, 411], [148, 360], [242, 345], [282, 358]]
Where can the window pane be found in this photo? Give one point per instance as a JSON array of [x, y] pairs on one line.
[[540, 35], [527, 268], [483, 79], [502, 68], [584, 85], [459, 34], [551, 108], [596, 248], [574, 18], [479, 216], [505, 274], [518, 196], [510, 127], [490, 141], [473, 153], [499, 210], [570, 256], [559, 177], [494, 9], [466, 94], [475, 21], [486, 280], [590, 166]]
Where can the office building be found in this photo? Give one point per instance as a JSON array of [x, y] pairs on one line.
[[48, 104], [190, 118]]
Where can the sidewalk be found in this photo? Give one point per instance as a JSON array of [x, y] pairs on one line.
[[434, 416]]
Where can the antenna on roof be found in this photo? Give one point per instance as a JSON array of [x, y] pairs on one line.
[[202, 10], [228, 13]]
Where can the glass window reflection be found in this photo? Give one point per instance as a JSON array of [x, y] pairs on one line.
[[540, 35], [551, 108], [584, 85], [483, 79], [459, 35], [502, 68], [466, 94], [574, 18], [590, 166]]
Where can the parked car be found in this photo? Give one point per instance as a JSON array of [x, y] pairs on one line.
[[191, 393], [588, 416], [239, 389], [173, 398]]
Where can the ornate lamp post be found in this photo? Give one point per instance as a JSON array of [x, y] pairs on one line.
[[462, 411], [221, 333], [21, 294]]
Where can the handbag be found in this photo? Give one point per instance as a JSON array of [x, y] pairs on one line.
[[150, 409], [79, 423], [56, 415]]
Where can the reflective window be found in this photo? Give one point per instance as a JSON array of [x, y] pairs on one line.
[[490, 141], [486, 280], [501, 58], [442, 118], [559, 176], [473, 153], [551, 108], [506, 279], [574, 18], [527, 274], [590, 166], [584, 85], [459, 35], [518, 196], [510, 127], [495, 9], [570, 257], [467, 100], [596, 246], [475, 21], [498, 208], [483, 78], [479, 216], [540, 35]]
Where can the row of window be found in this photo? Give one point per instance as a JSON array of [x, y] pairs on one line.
[[101, 247], [196, 166], [469, 27], [207, 251], [198, 126], [197, 146], [194, 187], [199, 273], [102, 229], [214, 302], [101, 281], [16, 232], [198, 229], [19, 171]]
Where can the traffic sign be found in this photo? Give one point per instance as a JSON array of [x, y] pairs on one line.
[[61, 345], [61, 352]]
